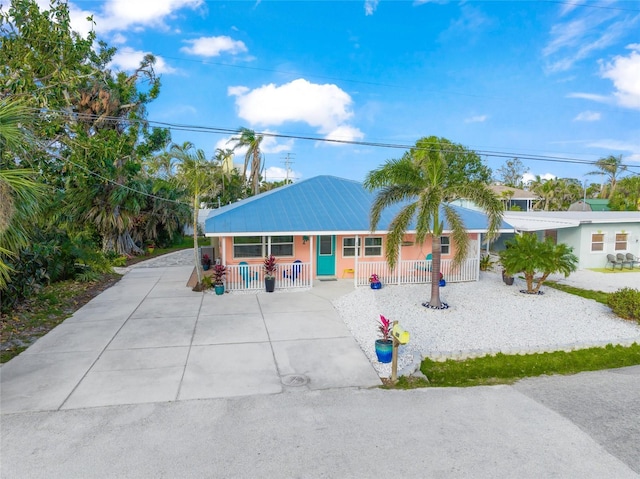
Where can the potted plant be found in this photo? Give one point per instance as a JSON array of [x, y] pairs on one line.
[[219, 271], [507, 278], [206, 262], [151, 248], [269, 273], [384, 345], [375, 281]]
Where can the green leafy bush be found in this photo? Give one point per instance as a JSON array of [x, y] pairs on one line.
[[625, 303]]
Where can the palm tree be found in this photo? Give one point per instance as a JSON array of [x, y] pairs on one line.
[[224, 157], [611, 167], [424, 183], [19, 191], [197, 175], [253, 156]]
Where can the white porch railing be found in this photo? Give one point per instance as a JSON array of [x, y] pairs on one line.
[[248, 277], [416, 272]]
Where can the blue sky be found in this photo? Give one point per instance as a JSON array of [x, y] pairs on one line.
[[519, 78]]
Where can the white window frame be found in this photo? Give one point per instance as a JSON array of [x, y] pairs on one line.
[[592, 242], [282, 243], [234, 246], [359, 249], [625, 242], [446, 245], [371, 240], [265, 245]]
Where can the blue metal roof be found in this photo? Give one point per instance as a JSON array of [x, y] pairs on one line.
[[323, 204]]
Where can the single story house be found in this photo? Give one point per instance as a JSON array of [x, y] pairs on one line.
[[591, 234], [319, 229], [512, 198]]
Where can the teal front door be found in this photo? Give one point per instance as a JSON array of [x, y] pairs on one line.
[[326, 255]]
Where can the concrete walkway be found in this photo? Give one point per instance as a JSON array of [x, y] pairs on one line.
[[149, 339]]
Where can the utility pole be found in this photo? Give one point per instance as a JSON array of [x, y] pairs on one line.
[[287, 163]]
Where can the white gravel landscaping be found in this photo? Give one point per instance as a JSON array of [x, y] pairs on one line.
[[483, 317]]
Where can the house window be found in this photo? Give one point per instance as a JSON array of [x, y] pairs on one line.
[[282, 245], [349, 247], [621, 241], [444, 244], [597, 241], [247, 247], [372, 246]]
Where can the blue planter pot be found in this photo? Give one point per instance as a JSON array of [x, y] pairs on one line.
[[219, 289], [384, 350], [376, 285]]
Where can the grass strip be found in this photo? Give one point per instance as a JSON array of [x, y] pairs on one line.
[[599, 296], [507, 369]]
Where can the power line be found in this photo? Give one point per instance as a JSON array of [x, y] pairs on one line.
[[372, 144]]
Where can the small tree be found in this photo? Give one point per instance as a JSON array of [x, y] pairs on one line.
[[525, 254]]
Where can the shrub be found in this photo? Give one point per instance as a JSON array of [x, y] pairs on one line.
[[625, 303]]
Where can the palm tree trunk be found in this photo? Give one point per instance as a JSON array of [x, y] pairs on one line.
[[196, 259], [436, 255]]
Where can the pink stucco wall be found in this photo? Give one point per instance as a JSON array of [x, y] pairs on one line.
[[302, 252]]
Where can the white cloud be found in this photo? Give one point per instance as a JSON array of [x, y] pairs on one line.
[[529, 177], [631, 150], [476, 119], [128, 59], [625, 74], [275, 173], [587, 31], [124, 14], [270, 144], [370, 6], [587, 116], [118, 39], [214, 46], [344, 133], [590, 96], [325, 107]]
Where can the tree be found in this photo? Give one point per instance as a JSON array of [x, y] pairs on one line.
[[626, 196], [248, 138], [511, 173], [424, 181], [611, 167], [525, 254], [197, 175]]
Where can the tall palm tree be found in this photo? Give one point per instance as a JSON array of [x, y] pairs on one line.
[[611, 167], [424, 183], [252, 157], [197, 175]]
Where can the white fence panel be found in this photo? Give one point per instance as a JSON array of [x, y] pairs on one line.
[[250, 277], [417, 272]]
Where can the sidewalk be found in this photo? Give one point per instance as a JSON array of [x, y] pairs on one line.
[[149, 338]]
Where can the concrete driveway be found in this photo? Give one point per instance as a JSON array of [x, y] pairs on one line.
[[149, 338]]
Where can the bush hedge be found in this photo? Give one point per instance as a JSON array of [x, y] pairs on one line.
[[625, 303]]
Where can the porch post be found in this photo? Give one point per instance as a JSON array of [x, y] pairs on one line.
[[399, 262], [223, 240], [355, 266], [477, 272], [311, 262]]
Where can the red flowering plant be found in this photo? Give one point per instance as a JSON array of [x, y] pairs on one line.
[[374, 278], [270, 266], [385, 328]]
